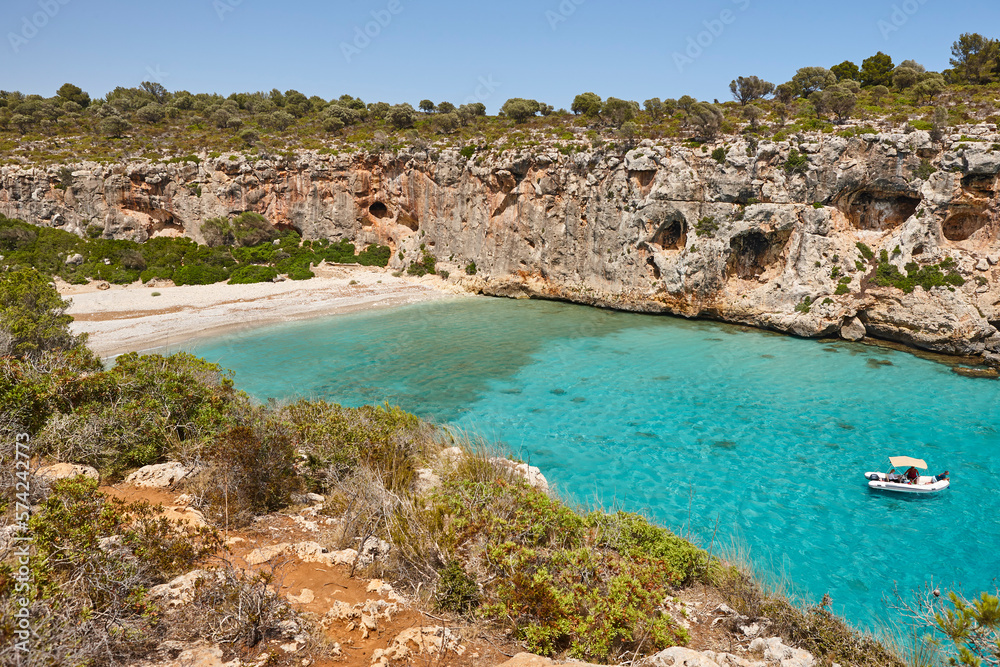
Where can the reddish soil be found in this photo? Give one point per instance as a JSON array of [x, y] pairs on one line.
[[329, 584]]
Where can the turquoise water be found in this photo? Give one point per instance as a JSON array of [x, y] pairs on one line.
[[711, 429]]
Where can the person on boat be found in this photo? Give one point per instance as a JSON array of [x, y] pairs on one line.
[[893, 476], [912, 475], [938, 478]]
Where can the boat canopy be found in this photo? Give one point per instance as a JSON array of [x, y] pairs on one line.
[[906, 461]]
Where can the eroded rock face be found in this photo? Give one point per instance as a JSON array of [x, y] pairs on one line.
[[662, 228]]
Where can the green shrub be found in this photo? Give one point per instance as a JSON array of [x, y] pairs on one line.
[[706, 226], [199, 275], [301, 271], [33, 317], [375, 255], [865, 251], [136, 412], [925, 170], [796, 163], [250, 471], [425, 265], [927, 277], [470, 269], [94, 559], [719, 155], [252, 273], [804, 306], [456, 590]]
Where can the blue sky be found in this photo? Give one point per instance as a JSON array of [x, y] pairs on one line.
[[549, 50]]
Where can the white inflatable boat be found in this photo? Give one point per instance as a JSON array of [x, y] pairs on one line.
[[910, 481]]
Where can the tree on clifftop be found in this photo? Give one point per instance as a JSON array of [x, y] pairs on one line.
[[750, 88], [401, 116], [975, 58], [520, 109], [846, 70], [588, 104], [618, 112], [877, 70], [707, 118], [810, 79], [72, 93]]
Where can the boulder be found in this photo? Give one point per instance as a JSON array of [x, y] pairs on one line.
[[308, 498], [985, 164], [74, 260], [678, 656], [853, 330], [161, 475], [531, 474], [775, 651], [57, 471], [201, 654], [179, 590]]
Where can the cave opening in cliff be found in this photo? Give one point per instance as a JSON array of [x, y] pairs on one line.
[[408, 220], [874, 210], [165, 224], [379, 210], [287, 227], [963, 226], [754, 251], [980, 184], [671, 235]]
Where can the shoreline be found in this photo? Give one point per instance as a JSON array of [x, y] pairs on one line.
[[129, 318]]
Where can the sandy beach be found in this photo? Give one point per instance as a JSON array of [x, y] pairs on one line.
[[135, 317]]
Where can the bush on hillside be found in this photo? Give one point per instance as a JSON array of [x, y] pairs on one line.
[[245, 275], [33, 317]]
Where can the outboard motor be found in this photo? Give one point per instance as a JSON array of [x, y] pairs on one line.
[[873, 477]]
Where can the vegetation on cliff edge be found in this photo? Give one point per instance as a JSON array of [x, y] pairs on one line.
[[483, 542]]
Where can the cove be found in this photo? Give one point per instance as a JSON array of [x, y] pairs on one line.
[[716, 431]]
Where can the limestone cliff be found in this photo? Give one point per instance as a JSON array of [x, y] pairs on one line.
[[661, 228]]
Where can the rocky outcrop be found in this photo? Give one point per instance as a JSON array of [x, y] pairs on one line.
[[57, 471], [161, 475], [664, 228]]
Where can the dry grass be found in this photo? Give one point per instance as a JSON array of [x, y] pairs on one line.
[[768, 598]]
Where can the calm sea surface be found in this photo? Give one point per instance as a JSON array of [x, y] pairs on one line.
[[721, 433]]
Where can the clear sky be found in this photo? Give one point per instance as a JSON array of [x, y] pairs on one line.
[[466, 50]]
